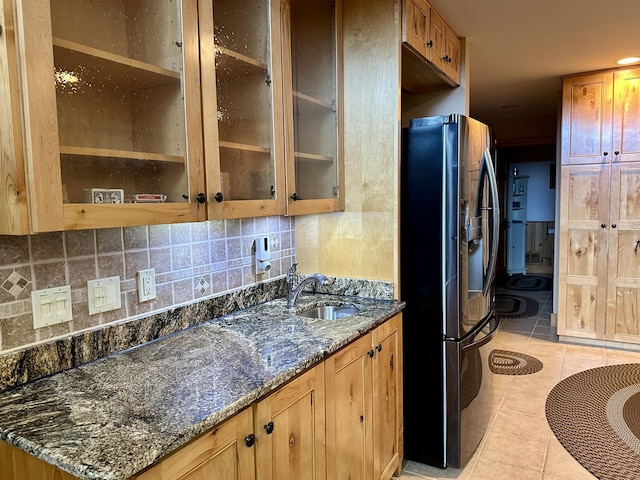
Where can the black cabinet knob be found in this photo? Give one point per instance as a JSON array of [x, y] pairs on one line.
[[249, 440], [605, 153], [371, 353], [295, 197], [269, 428], [201, 197], [218, 197], [617, 152], [602, 225], [379, 347], [430, 43], [614, 225]]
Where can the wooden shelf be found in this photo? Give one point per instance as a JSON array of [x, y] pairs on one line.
[[240, 57], [244, 147], [312, 156], [121, 154], [97, 67], [314, 100]]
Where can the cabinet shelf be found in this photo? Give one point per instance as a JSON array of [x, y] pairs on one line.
[[98, 67], [244, 147], [120, 154], [313, 156], [315, 101]]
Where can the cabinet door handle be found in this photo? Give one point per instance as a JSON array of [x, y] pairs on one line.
[[602, 225], [218, 197], [294, 197], [249, 440], [614, 225], [616, 153], [430, 43], [201, 197], [379, 347], [605, 153], [269, 428], [371, 353]]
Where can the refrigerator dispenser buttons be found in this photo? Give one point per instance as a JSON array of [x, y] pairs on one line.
[[103, 295], [263, 255], [51, 306]]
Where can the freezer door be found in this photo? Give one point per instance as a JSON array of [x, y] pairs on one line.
[[469, 392]]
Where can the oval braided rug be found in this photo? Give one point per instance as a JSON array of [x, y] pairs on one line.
[[595, 415], [506, 362]]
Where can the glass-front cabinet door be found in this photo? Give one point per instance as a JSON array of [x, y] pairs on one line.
[[113, 125], [242, 107], [313, 103]]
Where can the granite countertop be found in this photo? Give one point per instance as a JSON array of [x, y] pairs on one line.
[[113, 417]]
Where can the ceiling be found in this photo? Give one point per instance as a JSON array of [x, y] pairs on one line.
[[518, 51]]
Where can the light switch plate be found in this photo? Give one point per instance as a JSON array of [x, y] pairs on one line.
[[103, 295], [51, 306]]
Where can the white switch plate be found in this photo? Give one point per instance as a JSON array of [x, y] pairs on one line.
[[104, 295], [51, 306], [147, 284]]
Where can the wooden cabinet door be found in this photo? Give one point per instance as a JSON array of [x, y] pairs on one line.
[[583, 252], [452, 58], [111, 101], [437, 32], [240, 55], [225, 452], [290, 430], [416, 26], [587, 107], [387, 394], [623, 312], [626, 115], [349, 412]]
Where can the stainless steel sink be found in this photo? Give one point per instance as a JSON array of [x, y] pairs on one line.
[[330, 312]]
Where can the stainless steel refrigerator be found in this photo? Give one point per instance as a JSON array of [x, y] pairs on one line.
[[448, 249]]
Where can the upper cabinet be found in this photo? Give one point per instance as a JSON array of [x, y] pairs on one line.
[[313, 103], [431, 54], [135, 112], [601, 117], [111, 111], [242, 105], [271, 101]]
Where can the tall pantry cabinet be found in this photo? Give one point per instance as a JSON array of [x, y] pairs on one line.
[[599, 257]]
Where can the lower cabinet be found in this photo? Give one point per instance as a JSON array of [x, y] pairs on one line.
[[363, 388]]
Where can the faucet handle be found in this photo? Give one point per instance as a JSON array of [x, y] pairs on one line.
[[292, 268]]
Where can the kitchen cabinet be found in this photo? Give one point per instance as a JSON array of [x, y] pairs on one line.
[[599, 266], [111, 105], [227, 451], [290, 430], [431, 41], [600, 117], [272, 102], [312, 67], [363, 388], [16, 464]]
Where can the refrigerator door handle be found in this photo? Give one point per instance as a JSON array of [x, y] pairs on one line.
[[495, 211], [487, 338]]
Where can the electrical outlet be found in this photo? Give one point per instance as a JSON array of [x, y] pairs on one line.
[[51, 306], [147, 284]]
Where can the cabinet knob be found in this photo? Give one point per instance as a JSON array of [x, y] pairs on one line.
[[295, 197], [602, 225], [0, 29], [201, 197], [430, 43], [218, 197], [371, 353], [605, 153], [617, 152], [269, 428], [249, 440], [379, 347], [614, 225]]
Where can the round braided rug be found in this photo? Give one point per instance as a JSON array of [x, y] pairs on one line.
[[595, 414], [506, 362]]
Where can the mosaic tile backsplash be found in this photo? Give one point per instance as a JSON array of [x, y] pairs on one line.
[[192, 261]]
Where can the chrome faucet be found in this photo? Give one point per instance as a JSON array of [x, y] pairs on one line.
[[293, 291]]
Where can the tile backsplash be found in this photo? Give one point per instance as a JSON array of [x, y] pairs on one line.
[[192, 261]]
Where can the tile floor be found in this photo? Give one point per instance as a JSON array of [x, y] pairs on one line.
[[519, 444]]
